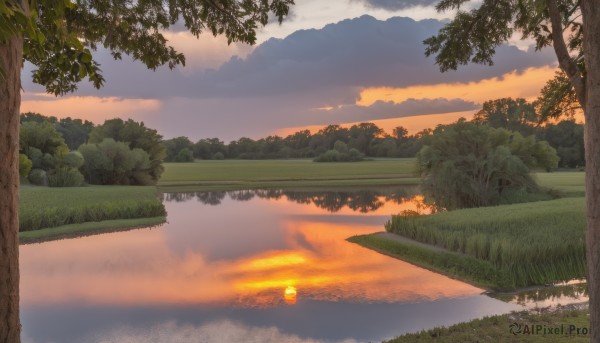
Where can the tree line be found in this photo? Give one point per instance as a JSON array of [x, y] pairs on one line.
[[337, 143]]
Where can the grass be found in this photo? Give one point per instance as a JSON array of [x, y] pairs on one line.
[[86, 229], [45, 207], [477, 272], [570, 183], [497, 329], [526, 244], [236, 174]]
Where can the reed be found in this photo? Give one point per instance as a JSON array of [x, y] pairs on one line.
[[43, 207], [533, 243]]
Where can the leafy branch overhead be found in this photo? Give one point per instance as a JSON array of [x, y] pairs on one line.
[[474, 34], [60, 36]]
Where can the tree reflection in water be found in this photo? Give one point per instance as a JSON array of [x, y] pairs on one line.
[[332, 200]]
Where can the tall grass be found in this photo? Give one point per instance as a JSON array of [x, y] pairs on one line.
[[534, 243], [43, 207]]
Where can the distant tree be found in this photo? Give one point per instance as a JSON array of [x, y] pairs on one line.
[[175, 145], [136, 136], [206, 148], [567, 137], [361, 136], [184, 155], [218, 156], [511, 114], [469, 165], [36, 117], [74, 131]]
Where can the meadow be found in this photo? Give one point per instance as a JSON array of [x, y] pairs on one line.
[[228, 174], [46, 207]]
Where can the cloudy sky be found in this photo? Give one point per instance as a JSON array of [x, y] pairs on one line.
[[330, 62]]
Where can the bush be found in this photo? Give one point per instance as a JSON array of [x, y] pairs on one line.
[[334, 155], [218, 156], [65, 177], [114, 163], [25, 165], [185, 155], [73, 159], [38, 177]]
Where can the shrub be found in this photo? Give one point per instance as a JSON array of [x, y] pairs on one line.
[[65, 177], [185, 155], [38, 177], [218, 156], [25, 165]]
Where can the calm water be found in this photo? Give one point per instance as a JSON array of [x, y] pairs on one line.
[[244, 266]]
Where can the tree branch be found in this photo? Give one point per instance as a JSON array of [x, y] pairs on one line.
[[567, 64]]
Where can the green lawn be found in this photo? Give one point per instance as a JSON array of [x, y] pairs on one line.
[[45, 207], [276, 172], [570, 183]]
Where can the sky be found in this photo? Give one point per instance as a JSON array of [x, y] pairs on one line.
[[330, 62]]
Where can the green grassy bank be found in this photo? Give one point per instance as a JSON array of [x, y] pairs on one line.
[[87, 229], [45, 207], [501, 247], [246, 174], [498, 329]]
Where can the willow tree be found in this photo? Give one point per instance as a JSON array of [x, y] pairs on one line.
[[572, 28], [58, 37]]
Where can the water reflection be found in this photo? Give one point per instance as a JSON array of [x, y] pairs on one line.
[[263, 258], [332, 200], [551, 296]]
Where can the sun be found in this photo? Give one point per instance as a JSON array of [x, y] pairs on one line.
[[290, 295]]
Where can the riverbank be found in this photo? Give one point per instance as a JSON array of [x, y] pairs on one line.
[[90, 208], [87, 229], [563, 324]]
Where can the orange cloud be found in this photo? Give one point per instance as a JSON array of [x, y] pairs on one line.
[[517, 85], [95, 109]]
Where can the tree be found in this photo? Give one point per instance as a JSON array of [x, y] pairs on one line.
[[470, 165], [137, 136], [473, 35], [58, 38], [511, 114], [175, 145]]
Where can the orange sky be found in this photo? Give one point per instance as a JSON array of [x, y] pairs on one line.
[[516, 85]]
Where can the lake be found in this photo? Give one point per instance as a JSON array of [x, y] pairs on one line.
[[243, 266]]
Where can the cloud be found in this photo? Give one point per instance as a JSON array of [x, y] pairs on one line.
[[278, 83], [395, 5], [386, 110]]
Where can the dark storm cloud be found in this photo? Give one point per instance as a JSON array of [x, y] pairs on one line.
[[395, 5]]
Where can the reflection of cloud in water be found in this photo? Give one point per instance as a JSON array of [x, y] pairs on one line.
[[218, 332]]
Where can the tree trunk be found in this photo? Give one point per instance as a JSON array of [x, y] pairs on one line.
[[591, 46], [11, 60]]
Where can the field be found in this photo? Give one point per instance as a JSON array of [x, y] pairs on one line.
[[45, 207], [230, 174], [569, 183], [497, 329]]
